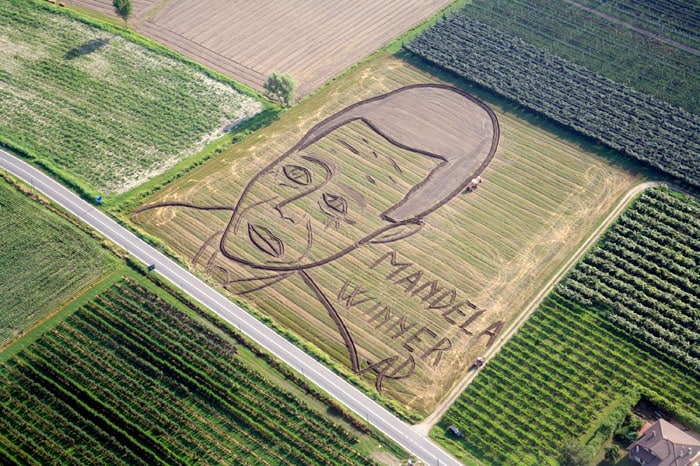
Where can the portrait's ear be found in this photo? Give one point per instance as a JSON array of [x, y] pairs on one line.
[[397, 232]]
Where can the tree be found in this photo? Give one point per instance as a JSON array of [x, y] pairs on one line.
[[282, 86], [612, 454], [123, 9], [574, 454]]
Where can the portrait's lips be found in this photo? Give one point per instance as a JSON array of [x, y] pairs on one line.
[[265, 240]]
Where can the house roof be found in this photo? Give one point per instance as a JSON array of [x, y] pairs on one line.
[[664, 444]]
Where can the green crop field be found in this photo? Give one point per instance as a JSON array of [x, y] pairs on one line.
[[644, 277], [45, 261], [591, 342], [492, 249], [99, 109], [130, 378], [598, 41]]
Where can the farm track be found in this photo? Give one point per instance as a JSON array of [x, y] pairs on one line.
[[430, 421]]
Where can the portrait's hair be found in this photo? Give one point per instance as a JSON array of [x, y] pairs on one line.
[[420, 108]]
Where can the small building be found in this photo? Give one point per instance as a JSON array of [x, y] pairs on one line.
[[664, 444]]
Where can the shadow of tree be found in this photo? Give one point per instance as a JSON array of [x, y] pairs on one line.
[[88, 47]]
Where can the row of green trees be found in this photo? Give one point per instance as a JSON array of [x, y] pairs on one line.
[[636, 124], [643, 276], [136, 381]]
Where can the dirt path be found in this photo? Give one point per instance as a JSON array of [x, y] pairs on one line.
[[428, 423], [642, 31], [150, 13]]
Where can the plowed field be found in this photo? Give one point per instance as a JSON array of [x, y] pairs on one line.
[[311, 40]]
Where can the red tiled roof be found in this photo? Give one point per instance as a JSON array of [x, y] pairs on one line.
[[663, 444]]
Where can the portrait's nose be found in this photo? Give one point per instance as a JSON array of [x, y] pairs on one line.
[[290, 213], [247, 208]]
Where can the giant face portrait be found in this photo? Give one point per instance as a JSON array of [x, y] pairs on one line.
[[316, 204], [367, 174], [366, 177]]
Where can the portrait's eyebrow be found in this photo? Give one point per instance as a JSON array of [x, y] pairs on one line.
[[323, 163], [240, 217], [395, 165], [348, 146]]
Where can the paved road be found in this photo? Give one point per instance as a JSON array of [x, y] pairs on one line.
[[403, 434]]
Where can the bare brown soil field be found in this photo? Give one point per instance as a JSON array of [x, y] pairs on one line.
[[313, 41], [462, 270]]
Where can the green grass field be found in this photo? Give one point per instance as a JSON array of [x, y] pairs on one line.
[[134, 377], [99, 109], [45, 261], [495, 247], [600, 44], [581, 352]]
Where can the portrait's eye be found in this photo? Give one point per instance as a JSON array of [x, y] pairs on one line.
[[297, 174], [336, 203]]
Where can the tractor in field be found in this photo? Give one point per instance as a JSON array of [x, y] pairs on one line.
[[473, 184]]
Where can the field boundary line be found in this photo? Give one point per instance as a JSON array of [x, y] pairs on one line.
[[59, 309], [429, 422], [151, 13], [181, 44]]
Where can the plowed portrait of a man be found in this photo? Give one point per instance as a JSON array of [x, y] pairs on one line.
[[369, 174]]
